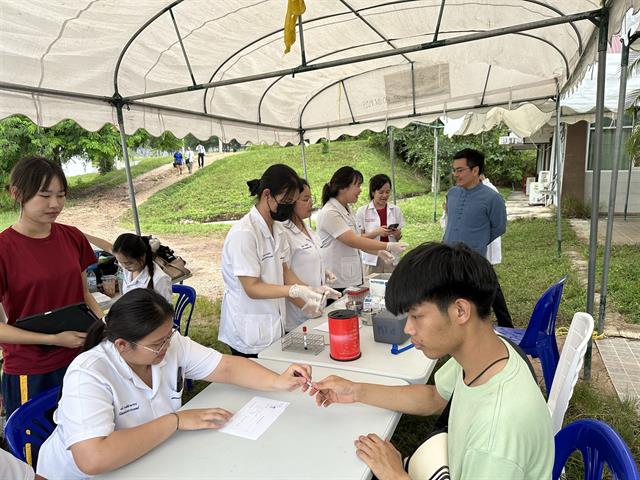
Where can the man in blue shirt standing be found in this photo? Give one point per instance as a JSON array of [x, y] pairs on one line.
[[476, 215]]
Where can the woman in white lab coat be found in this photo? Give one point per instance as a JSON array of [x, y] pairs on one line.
[[306, 256], [340, 234], [255, 268], [121, 397], [379, 220]]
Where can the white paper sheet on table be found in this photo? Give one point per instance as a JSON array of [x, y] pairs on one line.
[[254, 418], [324, 327]]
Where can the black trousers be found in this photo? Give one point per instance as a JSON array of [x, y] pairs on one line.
[[241, 354], [501, 310], [200, 160]]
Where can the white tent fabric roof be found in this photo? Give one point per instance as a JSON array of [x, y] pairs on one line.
[[75, 47], [582, 100], [577, 106]]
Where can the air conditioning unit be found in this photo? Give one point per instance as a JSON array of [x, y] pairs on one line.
[[530, 180], [544, 178], [536, 197]]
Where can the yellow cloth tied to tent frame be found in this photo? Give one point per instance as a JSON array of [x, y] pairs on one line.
[[295, 8]]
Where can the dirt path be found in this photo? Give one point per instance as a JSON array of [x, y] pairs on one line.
[[99, 215]]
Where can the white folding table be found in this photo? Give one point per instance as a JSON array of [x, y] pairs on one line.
[[306, 441], [376, 358]]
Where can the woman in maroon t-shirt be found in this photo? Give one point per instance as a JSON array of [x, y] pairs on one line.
[[42, 267]]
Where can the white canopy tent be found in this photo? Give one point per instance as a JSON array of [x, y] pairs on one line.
[[76, 59], [216, 67]]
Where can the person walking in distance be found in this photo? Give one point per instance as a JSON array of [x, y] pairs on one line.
[[188, 158], [200, 151]]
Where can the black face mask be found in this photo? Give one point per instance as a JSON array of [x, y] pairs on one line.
[[283, 213]]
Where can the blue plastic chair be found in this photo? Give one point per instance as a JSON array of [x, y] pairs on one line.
[[186, 298], [599, 444], [30, 425], [539, 338]]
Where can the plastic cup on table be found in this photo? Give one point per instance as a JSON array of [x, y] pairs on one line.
[[109, 285]]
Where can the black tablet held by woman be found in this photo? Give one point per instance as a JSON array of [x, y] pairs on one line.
[[77, 317]]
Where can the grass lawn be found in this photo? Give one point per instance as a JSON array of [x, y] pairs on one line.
[[530, 265], [7, 218], [624, 279], [219, 191], [83, 185]]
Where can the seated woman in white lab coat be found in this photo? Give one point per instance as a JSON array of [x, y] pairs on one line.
[[255, 268], [306, 258], [379, 220], [120, 397], [340, 234]]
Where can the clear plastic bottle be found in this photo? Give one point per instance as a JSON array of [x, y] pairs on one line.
[[120, 279], [92, 282]]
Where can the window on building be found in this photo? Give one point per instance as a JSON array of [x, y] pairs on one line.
[[608, 143]]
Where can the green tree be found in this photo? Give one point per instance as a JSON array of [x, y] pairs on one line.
[[191, 141], [140, 138], [102, 147], [20, 137], [504, 165], [167, 142]]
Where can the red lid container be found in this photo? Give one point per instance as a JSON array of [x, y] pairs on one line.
[[344, 335]]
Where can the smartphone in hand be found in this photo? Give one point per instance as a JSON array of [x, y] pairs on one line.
[[393, 226]]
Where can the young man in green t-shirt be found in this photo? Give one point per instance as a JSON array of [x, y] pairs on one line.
[[499, 427]]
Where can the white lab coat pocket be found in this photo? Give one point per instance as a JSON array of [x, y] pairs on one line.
[[261, 329], [351, 270]]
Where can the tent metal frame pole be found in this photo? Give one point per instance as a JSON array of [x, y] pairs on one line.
[[371, 27], [596, 166], [127, 168], [435, 182], [302, 153], [437, 30], [413, 89], [303, 54], [617, 157], [392, 158], [346, 96], [630, 171], [51, 91], [558, 174], [589, 15], [632, 39], [184, 51], [304, 166], [486, 82]]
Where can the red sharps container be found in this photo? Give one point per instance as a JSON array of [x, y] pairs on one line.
[[344, 335]]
